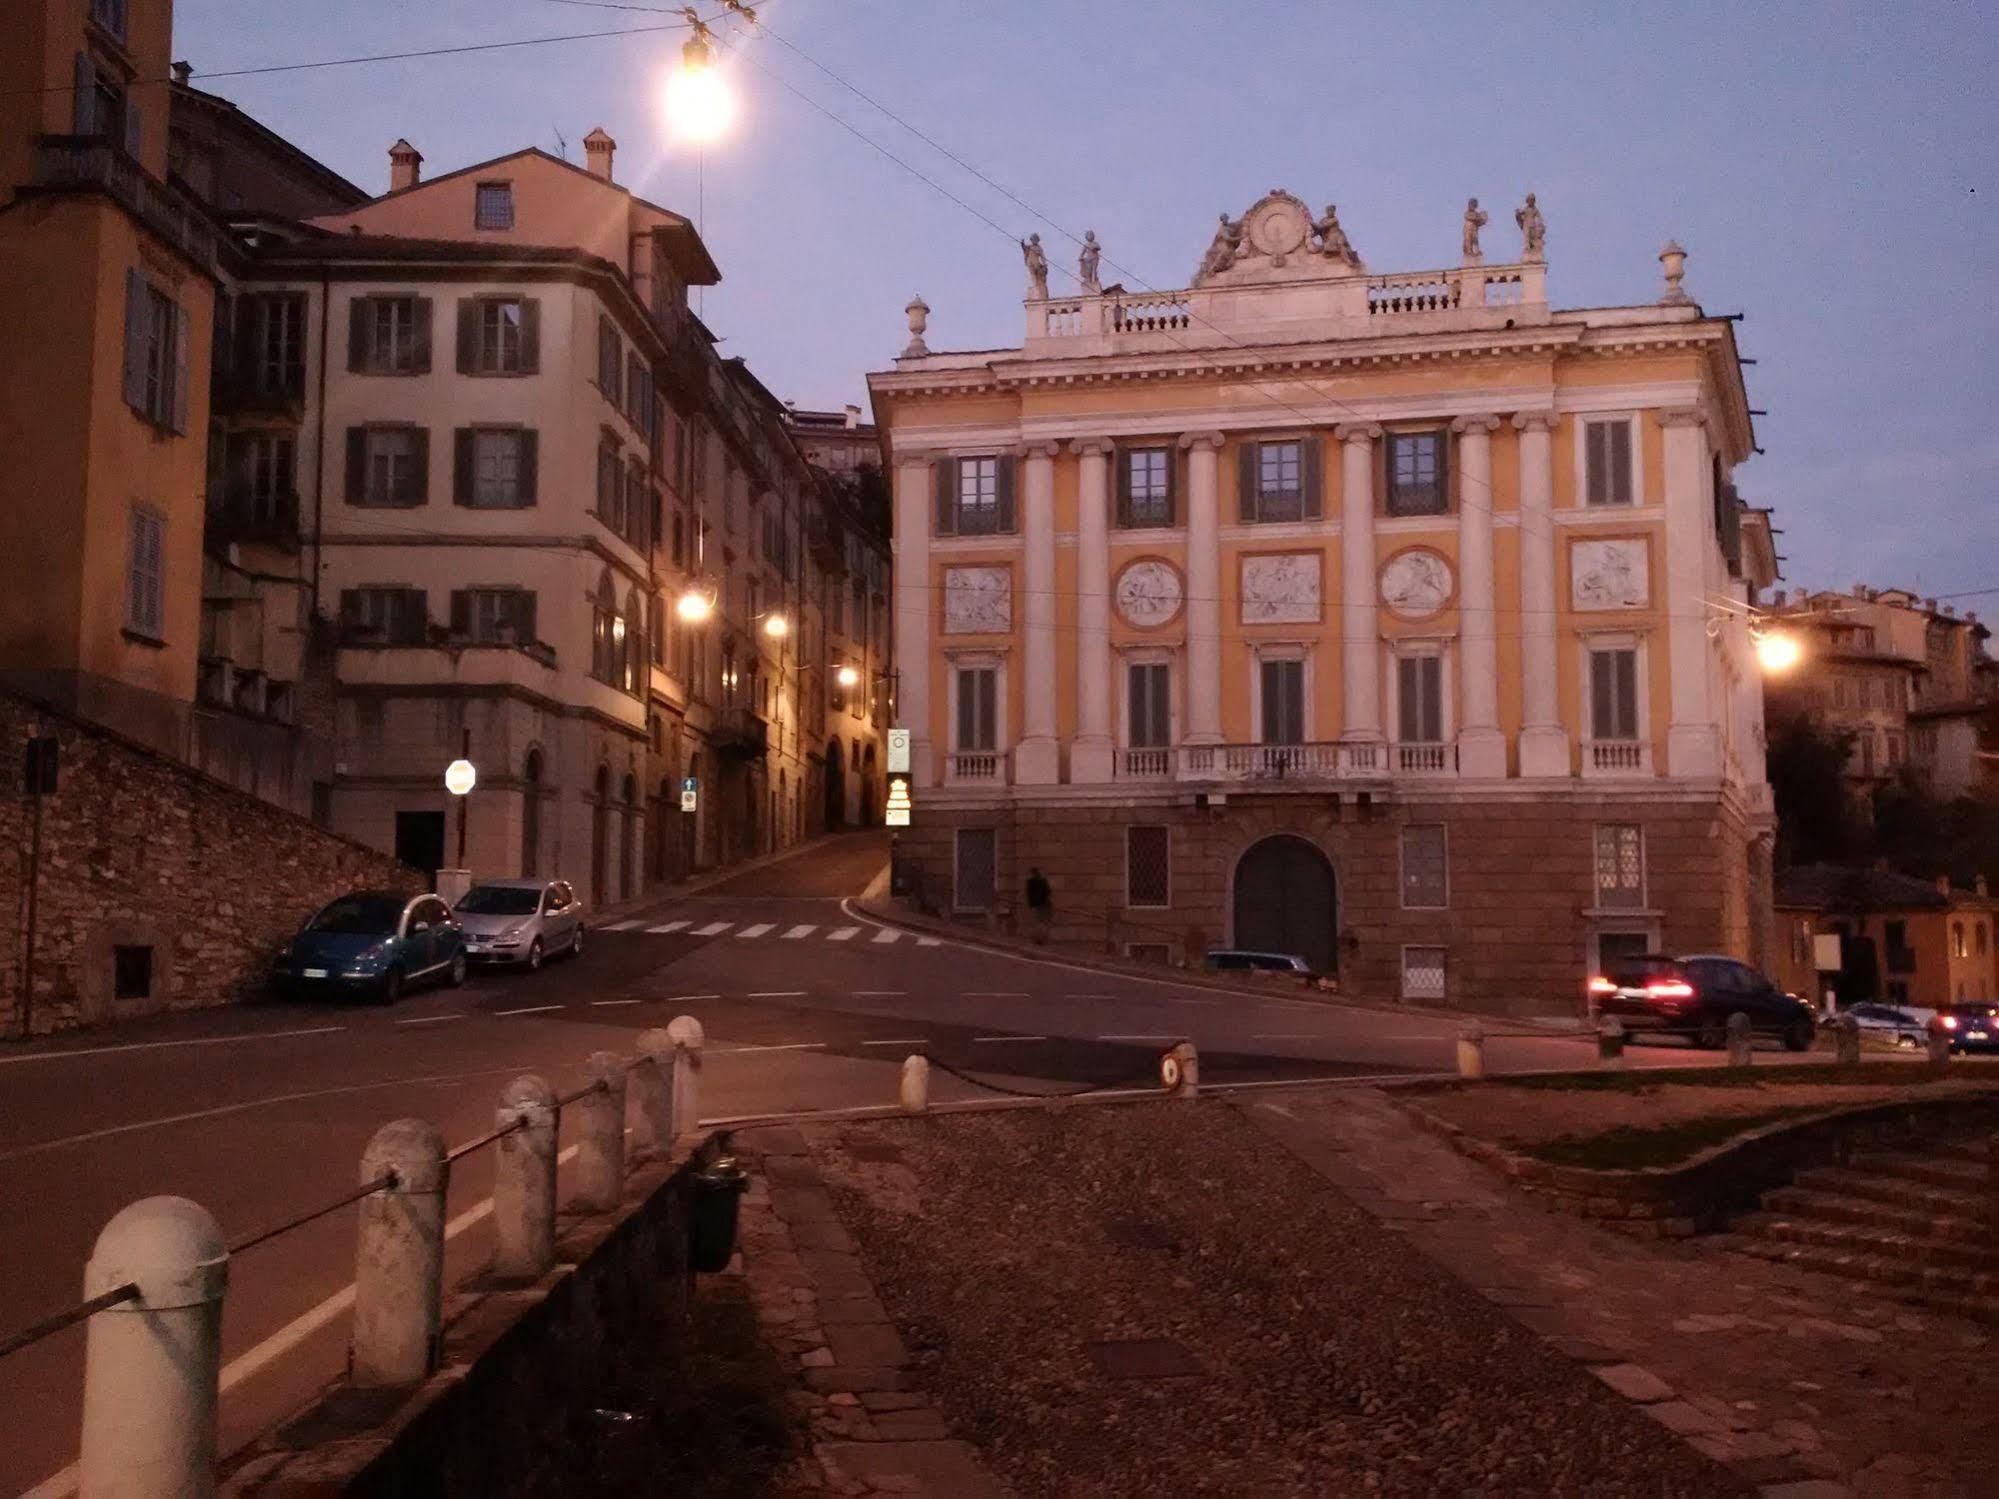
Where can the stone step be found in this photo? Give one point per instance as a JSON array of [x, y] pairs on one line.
[[1939, 1288], [1975, 1149], [1959, 1226], [1939, 1170], [1845, 1181], [1919, 1254]]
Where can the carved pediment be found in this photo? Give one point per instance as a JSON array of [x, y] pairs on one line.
[[1278, 239]]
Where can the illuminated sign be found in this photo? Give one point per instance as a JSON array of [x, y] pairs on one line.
[[689, 791], [898, 752], [896, 814]]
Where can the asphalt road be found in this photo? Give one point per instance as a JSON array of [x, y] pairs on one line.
[[261, 1113]]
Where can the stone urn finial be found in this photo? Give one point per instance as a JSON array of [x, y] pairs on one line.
[[919, 320], [1674, 259]]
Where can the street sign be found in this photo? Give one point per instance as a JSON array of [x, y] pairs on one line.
[[898, 751], [460, 776], [690, 788], [896, 814], [1825, 953]]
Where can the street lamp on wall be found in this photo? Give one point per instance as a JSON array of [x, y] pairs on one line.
[[695, 605], [460, 776], [699, 103]]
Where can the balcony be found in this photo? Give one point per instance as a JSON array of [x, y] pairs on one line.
[[1617, 757], [66, 163], [241, 515], [976, 768], [1426, 759], [739, 731], [259, 392], [1143, 764], [1313, 764]]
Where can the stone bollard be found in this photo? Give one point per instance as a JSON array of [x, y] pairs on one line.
[[600, 1135], [524, 1181], [399, 1258], [151, 1365], [1180, 1071], [651, 1095], [1741, 1042], [1610, 1043], [1471, 1051], [1846, 1041], [685, 1032], [1936, 1041], [915, 1085]]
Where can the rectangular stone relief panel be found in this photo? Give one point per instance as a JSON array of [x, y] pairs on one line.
[[1281, 588], [1615, 574], [978, 600]]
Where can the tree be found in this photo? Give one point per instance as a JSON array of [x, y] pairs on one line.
[[1816, 822]]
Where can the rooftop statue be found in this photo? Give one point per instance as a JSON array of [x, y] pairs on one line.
[[1037, 267], [1086, 270], [1333, 241], [1475, 220], [1223, 249], [1533, 230]]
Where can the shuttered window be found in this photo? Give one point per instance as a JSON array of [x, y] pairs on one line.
[[1148, 875], [978, 708], [1145, 487], [1149, 720], [1425, 868], [494, 467], [494, 616], [975, 496], [1607, 462], [393, 616], [388, 336], [145, 574], [1417, 478], [1283, 692], [610, 361], [388, 465], [1419, 694], [156, 354], [499, 336], [1613, 693]]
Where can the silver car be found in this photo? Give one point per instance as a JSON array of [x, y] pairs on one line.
[[521, 922]]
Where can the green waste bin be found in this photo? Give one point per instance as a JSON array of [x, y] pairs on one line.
[[718, 1190]]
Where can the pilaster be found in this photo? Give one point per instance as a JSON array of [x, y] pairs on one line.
[[1481, 745], [1544, 742], [913, 508], [1037, 758], [1091, 752], [1204, 588], [1360, 674]]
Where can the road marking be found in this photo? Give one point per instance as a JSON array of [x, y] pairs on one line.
[[623, 926], [887, 934], [803, 929], [1288, 1036], [1090, 996], [726, 1051], [757, 930], [666, 926], [674, 999], [712, 929], [878, 993], [994, 994], [900, 1041], [99, 1051], [928, 942], [529, 1010], [601, 1002], [428, 1019], [1009, 1038], [776, 994], [1138, 1038], [841, 934]]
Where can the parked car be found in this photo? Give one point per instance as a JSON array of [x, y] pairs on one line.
[[520, 921], [1972, 1027], [374, 943], [1694, 996], [1238, 960], [1892, 1023]]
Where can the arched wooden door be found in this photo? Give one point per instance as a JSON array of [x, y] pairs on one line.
[[1286, 901]]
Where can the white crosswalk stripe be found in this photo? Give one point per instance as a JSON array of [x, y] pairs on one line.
[[712, 929], [664, 927], [756, 929], [841, 934], [887, 934], [622, 926], [803, 929], [927, 942]]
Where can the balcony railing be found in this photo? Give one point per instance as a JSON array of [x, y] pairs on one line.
[[1426, 759], [1143, 764], [87, 161], [739, 731], [243, 515], [1617, 757], [246, 392], [976, 767]]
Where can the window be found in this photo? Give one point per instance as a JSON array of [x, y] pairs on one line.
[[610, 361], [637, 506], [499, 336], [975, 867], [261, 483], [1957, 947], [131, 973], [156, 334], [145, 574], [975, 496], [1145, 487], [978, 708], [494, 616], [495, 467], [99, 106], [110, 14], [493, 205], [389, 336], [1979, 939], [1613, 693], [1149, 704], [637, 398], [606, 631], [610, 485], [388, 465], [1419, 699], [396, 616], [1620, 865], [1278, 481], [1607, 462], [1147, 866], [1283, 692], [1425, 871], [1417, 481], [1423, 972], [679, 539], [273, 328]]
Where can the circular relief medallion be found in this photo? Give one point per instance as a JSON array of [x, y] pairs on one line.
[[1279, 227], [1416, 583], [1148, 593]]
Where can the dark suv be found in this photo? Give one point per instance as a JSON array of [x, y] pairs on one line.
[[1694, 996], [1972, 1027]]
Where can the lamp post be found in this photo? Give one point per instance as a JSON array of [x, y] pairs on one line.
[[460, 776]]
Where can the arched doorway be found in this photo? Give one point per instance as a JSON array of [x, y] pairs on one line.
[[531, 815], [868, 817], [836, 786], [1286, 901], [600, 820]]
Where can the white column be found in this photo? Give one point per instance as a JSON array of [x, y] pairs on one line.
[[1091, 755], [1037, 758], [914, 509], [1693, 740], [1481, 745], [1360, 655], [1544, 743], [1204, 588]]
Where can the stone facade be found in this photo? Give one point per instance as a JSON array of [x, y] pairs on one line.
[[140, 851]]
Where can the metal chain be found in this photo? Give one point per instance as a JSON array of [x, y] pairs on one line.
[[385, 1182], [1003, 1089], [15, 1342]]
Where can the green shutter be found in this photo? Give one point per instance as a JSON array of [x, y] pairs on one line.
[[529, 465], [417, 488], [177, 406], [135, 340], [1003, 489], [1620, 463], [420, 354], [468, 335], [357, 465], [530, 335], [945, 494], [461, 613], [360, 335], [461, 466]]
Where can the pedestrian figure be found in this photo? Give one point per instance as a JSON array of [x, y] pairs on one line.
[[1040, 904]]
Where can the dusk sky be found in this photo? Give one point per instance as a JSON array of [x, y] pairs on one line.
[[1829, 167]]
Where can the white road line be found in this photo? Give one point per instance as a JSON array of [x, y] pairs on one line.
[[664, 927], [675, 999], [712, 929], [428, 1019], [803, 929], [887, 934], [776, 994], [928, 942], [623, 926], [1288, 1036], [1138, 1038], [602, 1002], [1009, 1038], [878, 993], [994, 994], [841, 934], [757, 930], [100, 1051], [727, 1051], [529, 1010], [899, 1041]]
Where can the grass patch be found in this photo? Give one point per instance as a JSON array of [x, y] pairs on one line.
[[1863, 1075], [1635, 1147]]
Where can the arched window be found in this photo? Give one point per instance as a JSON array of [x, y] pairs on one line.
[[1957, 949], [606, 635], [1979, 938], [531, 814], [632, 661]]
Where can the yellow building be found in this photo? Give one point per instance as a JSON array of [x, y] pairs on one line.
[[108, 297], [1397, 621], [1901, 940]]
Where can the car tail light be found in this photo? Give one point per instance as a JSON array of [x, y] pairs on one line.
[[1950, 1022], [1669, 989], [1602, 986]]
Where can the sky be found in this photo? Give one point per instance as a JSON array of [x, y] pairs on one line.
[[1832, 169]]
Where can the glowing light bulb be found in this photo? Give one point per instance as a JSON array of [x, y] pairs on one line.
[[700, 106], [1777, 653], [776, 627], [849, 677], [693, 607]]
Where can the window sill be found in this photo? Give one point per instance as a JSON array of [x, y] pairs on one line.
[[366, 504], [490, 505], [140, 637], [500, 374]]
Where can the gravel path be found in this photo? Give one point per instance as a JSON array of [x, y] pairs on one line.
[[1333, 1359]]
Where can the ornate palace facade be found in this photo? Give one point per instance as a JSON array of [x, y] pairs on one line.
[[1400, 621]]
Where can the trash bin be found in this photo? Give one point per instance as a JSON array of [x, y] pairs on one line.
[[718, 1190]]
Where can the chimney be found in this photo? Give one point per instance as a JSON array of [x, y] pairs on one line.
[[598, 148], [182, 72], [853, 416], [405, 166], [1943, 884]]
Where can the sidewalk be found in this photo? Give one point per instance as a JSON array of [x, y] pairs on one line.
[[1792, 1381]]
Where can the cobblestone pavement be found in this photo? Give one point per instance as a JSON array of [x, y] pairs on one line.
[[871, 1429], [1797, 1382]]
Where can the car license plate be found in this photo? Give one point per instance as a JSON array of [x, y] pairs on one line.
[[315, 973], [1974, 1035]]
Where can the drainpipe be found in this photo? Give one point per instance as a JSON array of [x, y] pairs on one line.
[[319, 446]]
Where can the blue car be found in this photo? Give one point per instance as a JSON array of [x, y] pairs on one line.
[[374, 944]]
